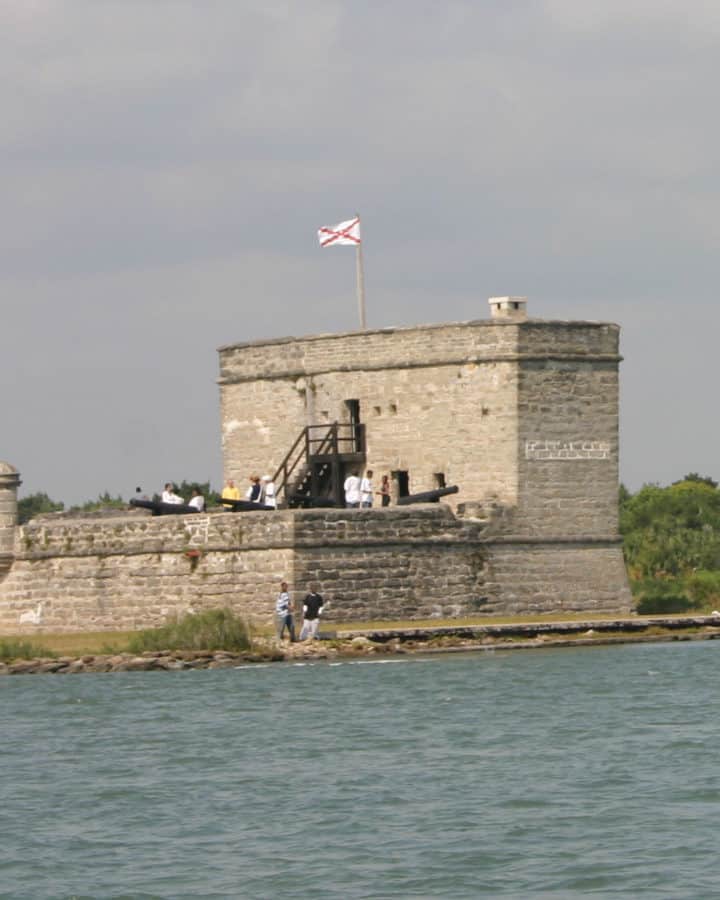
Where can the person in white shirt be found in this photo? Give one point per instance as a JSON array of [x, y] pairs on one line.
[[267, 492], [352, 491], [169, 495], [197, 501], [366, 490]]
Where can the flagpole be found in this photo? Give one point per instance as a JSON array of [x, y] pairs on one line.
[[360, 280]]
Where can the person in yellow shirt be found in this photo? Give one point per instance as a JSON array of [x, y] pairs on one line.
[[230, 492]]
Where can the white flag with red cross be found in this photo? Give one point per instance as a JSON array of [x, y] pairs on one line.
[[344, 233]]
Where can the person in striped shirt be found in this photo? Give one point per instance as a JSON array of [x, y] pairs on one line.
[[284, 613]]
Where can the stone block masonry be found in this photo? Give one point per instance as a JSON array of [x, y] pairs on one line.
[[399, 563], [521, 414]]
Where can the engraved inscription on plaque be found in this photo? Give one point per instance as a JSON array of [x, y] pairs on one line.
[[562, 450]]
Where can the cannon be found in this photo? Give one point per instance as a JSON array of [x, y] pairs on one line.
[[242, 505], [428, 496], [159, 508]]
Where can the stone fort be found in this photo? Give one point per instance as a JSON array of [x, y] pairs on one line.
[[521, 414]]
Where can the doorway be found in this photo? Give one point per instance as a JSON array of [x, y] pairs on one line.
[[352, 408], [402, 482]]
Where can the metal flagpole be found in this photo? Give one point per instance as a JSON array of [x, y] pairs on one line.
[[360, 279]]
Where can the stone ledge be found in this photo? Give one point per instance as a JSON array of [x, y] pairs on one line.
[[296, 373]]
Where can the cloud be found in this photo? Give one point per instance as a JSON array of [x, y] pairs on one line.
[[166, 165]]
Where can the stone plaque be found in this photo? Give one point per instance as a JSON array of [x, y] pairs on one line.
[[562, 450]]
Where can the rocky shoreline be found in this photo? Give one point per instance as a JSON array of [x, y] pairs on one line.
[[416, 641]]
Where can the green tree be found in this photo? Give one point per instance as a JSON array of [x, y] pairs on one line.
[[104, 501], [704, 479], [34, 504], [673, 530]]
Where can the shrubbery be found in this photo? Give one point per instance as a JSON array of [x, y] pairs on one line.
[[215, 629], [16, 648], [672, 545]]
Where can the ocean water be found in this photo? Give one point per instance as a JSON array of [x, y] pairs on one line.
[[549, 773]]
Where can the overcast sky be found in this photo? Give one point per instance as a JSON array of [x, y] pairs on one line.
[[165, 166]]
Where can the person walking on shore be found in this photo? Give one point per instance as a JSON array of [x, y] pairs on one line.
[[312, 607], [284, 613]]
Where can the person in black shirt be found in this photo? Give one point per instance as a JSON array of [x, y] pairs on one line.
[[312, 608]]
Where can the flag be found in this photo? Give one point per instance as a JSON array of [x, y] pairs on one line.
[[344, 233]]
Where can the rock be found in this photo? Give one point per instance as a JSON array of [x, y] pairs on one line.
[[118, 659], [75, 667], [23, 667], [361, 641], [100, 665], [139, 664]]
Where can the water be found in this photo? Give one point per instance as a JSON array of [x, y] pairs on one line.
[[553, 773]]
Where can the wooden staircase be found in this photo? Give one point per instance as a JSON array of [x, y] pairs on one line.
[[313, 471]]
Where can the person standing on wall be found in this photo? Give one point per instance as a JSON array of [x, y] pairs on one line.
[[385, 491], [253, 492], [229, 492], [169, 495], [366, 490], [284, 613], [352, 491], [312, 607], [267, 492], [197, 501]]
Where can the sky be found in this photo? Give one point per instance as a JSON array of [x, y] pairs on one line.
[[165, 166]]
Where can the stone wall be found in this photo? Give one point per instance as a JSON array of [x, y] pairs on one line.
[[462, 399], [434, 399], [397, 563], [568, 448], [558, 576], [134, 571]]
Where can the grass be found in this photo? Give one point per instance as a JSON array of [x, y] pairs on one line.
[[215, 629], [84, 643], [16, 648], [100, 642]]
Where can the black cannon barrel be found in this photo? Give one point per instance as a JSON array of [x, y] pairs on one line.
[[242, 505], [428, 496], [163, 509]]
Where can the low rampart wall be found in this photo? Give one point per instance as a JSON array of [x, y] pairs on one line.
[[134, 571]]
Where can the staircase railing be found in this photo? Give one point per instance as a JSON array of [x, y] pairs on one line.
[[318, 441]]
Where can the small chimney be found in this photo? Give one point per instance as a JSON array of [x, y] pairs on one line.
[[509, 309]]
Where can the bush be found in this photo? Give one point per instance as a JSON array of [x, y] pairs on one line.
[[35, 504], [704, 588], [671, 531], [13, 648], [661, 597], [216, 629]]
